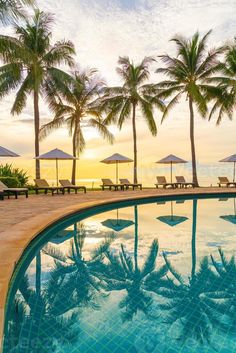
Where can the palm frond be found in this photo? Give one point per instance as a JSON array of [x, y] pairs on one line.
[[175, 274], [150, 262], [54, 253], [147, 112], [61, 53], [48, 128], [12, 10], [102, 129], [124, 113], [171, 105], [21, 95]]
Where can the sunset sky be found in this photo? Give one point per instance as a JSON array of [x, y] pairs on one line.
[[102, 31]]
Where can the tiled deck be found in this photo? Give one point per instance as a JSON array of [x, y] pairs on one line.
[[22, 219]]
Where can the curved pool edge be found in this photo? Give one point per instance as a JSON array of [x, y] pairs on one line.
[[15, 240]]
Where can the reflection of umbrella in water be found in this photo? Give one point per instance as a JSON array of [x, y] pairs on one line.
[[117, 224], [172, 220], [64, 235], [232, 217]]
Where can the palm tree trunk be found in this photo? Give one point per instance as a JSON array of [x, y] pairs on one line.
[[36, 133], [194, 167], [75, 148], [136, 238], [194, 228], [135, 143]]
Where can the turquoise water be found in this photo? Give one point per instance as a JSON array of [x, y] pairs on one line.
[[154, 277]]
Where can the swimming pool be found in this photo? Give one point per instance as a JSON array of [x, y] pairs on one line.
[[156, 276]]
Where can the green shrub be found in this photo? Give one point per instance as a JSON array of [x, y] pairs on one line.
[[10, 182], [7, 170]]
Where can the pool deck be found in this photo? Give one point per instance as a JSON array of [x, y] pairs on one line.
[[23, 219]]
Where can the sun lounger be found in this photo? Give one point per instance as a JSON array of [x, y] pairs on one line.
[[42, 184], [161, 181], [127, 184], [224, 181], [67, 185], [107, 183], [180, 181], [13, 191]]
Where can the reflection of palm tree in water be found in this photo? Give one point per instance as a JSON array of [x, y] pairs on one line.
[[33, 325], [224, 290], [39, 318], [188, 302], [125, 274], [81, 280]]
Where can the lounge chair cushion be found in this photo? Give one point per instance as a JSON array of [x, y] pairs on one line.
[[3, 187]]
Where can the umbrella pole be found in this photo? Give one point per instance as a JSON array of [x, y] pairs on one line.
[[116, 172], [234, 172], [57, 170], [117, 217], [171, 172]]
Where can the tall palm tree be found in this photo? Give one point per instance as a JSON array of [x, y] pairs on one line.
[[30, 66], [11, 10], [225, 95], [188, 73], [122, 102], [72, 104]]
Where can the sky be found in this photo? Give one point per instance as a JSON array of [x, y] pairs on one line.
[[102, 31]]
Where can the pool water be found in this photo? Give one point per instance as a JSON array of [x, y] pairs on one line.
[[155, 277]]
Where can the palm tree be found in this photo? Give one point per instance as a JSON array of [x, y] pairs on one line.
[[72, 104], [30, 66], [124, 273], [188, 73], [121, 103], [225, 96], [11, 10]]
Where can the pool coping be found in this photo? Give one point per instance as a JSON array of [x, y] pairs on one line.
[[18, 237]]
